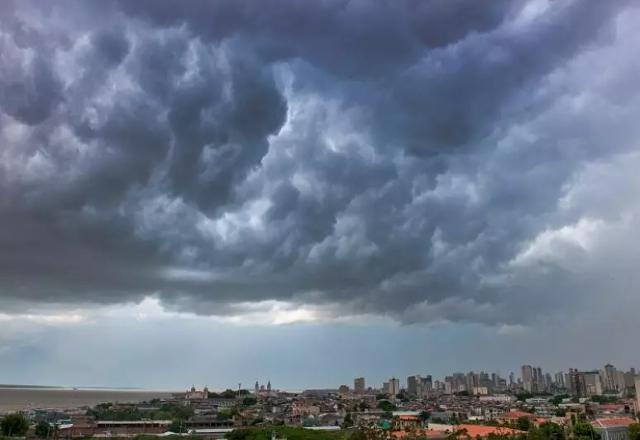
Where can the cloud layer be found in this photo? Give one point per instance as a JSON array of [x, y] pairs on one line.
[[428, 161]]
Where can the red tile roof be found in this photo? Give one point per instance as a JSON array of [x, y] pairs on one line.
[[408, 417], [484, 431], [614, 421], [430, 433]]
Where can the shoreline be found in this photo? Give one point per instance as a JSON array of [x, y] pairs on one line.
[[84, 388], [28, 398]]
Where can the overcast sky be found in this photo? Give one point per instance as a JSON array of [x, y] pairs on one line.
[[308, 191]]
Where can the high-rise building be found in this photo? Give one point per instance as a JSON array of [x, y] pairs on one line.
[[628, 380], [577, 386], [637, 384], [585, 383], [538, 380], [620, 380], [548, 381], [427, 384], [472, 380], [414, 385], [394, 386], [593, 383], [527, 378], [610, 379], [358, 385], [567, 381], [448, 385]]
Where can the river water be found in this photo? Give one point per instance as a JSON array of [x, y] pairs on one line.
[[14, 399]]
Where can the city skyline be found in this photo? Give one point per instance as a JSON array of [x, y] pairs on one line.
[[612, 380], [403, 382], [316, 190]]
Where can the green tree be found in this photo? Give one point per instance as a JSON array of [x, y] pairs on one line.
[[634, 431], [552, 431], [523, 423], [14, 425], [535, 434], [291, 433], [177, 426], [424, 416], [557, 400], [228, 394], [387, 406], [584, 431], [496, 436], [44, 430], [248, 401], [348, 421]]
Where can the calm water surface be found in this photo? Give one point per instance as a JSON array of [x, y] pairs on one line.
[[13, 399]]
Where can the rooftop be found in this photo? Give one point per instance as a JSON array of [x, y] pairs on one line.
[[611, 422]]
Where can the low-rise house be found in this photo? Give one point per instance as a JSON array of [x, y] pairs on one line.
[[615, 428], [474, 431], [406, 421]]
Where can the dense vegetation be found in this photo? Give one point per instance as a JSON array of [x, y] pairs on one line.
[[385, 405], [14, 425], [634, 431], [284, 431], [228, 394], [45, 430]]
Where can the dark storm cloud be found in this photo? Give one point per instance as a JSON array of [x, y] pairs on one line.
[[345, 37], [32, 96], [403, 159]]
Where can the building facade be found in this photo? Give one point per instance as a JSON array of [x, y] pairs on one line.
[[359, 385]]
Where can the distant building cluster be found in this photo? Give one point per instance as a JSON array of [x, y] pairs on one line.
[[533, 380], [482, 405]]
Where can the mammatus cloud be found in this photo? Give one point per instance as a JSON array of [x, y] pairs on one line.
[[425, 161]]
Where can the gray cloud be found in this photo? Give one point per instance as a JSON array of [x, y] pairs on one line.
[[426, 161]]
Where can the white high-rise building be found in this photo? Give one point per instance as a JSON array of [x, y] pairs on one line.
[[527, 378], [592, 382], [637, 380], [610, 378], [392, 387]]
